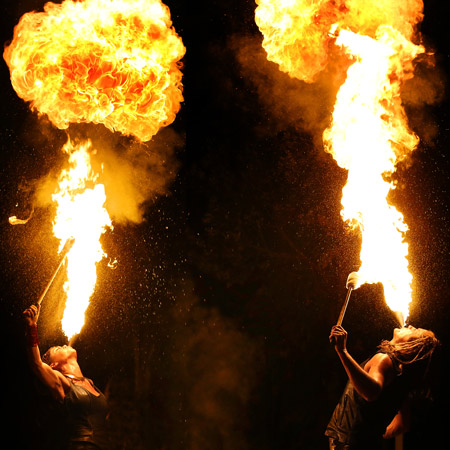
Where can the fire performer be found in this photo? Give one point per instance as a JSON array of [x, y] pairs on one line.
[[84, 405], [374, 404]]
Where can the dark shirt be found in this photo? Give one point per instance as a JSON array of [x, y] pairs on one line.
[[86, 417], [362, 424]]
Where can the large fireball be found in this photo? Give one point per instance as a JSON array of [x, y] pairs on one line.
[[110, 62]]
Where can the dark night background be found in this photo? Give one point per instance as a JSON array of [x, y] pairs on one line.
[[212, 332]]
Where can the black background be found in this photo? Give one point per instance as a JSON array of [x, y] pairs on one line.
[[212, 332]]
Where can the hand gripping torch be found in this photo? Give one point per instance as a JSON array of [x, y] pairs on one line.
[[353, 282]]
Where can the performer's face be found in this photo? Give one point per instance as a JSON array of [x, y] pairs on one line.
[[405, 334], [60, 355]]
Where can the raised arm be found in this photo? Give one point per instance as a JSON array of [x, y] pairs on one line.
[[370, 380], [53, 379]]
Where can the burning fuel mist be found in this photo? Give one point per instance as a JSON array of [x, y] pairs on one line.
[[214, 367], [100, 61], [369, 132], [109, 62]]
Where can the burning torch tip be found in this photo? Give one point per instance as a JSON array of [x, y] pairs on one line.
[[353, 281], [68, 244]]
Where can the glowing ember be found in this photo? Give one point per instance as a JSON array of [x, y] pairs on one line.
[[113, 62], [80, 214], [369, 133]]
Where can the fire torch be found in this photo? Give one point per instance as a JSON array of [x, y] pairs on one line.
[[67, 246]]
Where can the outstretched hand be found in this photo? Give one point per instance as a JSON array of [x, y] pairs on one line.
[[31, 314], [339, 337]]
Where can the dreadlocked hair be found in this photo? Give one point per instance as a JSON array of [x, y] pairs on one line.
[[413, 350]]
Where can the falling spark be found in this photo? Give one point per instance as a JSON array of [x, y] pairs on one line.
[[110, 62], [81, 215], [369, 134]]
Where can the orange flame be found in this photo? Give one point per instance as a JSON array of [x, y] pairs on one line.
[[81, 215], [368, 136], [297, 34], [369, 133], [110, 62]]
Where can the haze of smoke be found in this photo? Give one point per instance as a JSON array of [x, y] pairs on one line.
[[426, 88], [138, 175], [307, 107], [134, 175], [293, 103], [217, 368]]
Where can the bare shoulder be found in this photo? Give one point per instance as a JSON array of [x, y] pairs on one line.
[[62, 379], [381, 368], [380, 361]]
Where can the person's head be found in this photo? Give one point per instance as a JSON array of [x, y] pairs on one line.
[[409, 345], [60, 356]]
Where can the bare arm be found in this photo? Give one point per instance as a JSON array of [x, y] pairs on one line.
[[400, 423], [370, 380], [53, 379]]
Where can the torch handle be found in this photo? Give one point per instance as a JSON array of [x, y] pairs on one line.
[[342, 313], [344, 307], [66, 248]]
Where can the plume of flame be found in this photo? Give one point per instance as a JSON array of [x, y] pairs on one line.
[[369, 134], [368, 137], [110, 62], [81, 214], [297, 34]]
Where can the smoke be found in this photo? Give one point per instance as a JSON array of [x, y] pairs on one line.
[[217, 370], [297, 70], [134, 174], [426, 88], [296, 104]]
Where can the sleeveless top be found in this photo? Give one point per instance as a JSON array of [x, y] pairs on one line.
[[86, 416], [360, 423]]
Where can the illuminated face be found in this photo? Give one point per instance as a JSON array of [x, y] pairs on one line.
[[59, 355], [406, 334]]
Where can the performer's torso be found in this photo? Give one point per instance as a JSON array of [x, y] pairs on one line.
[[86, 414]]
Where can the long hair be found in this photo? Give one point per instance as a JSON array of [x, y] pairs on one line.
[[418, 348]]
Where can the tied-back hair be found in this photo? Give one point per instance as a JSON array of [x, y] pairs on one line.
[[420, 348], [46, 357]]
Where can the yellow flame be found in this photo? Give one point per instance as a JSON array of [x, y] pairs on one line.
[[298, 34], [369, 133], [293, 38], [368, 136], [113, 62], [81, 214], [110, 62]]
